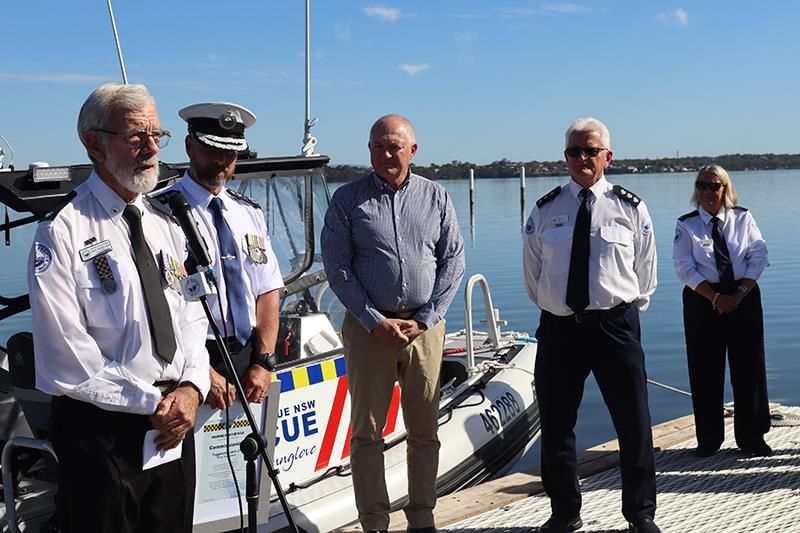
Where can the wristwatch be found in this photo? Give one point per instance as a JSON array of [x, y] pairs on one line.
[[742, 289], [266, 360]]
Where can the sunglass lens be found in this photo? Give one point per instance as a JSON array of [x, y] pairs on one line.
[[703, 186]]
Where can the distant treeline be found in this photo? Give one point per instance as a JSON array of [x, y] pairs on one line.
[[506, 169]]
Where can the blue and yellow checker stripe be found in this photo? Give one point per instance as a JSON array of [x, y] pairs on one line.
[[312, 374]]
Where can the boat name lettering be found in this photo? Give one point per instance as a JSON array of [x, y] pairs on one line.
[[285, 462], [500, 412], [298, 408]]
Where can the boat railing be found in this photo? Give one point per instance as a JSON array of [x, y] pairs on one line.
[[8, 474], [491, 316]]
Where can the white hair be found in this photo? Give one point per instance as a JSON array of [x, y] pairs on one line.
[[105, 100], [589, 124]]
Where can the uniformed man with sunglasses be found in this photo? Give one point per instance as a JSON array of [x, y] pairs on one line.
[[589, 260]]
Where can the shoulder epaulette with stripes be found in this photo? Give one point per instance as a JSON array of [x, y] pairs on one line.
[[627, 195], [694, 213], [549, 196]]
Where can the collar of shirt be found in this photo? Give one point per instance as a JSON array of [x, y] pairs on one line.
[[597, 188], [109, 200], [199, 195], [706, 216], [383, 186]]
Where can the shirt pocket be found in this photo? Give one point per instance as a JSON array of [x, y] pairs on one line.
[[556, 249], [101, 309], [616, 249]]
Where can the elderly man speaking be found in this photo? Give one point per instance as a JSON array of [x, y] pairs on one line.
[[394, 256], [119, 349]]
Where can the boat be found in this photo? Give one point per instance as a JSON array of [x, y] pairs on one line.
[[488, 413], [488, 410]]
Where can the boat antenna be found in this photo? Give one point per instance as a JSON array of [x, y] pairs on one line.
[[116, 40], [3, 153], [308, 140]]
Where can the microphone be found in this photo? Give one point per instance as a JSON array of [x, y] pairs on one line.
[[182, 212]]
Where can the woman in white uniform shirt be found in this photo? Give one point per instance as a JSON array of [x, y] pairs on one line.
[[719, 254]]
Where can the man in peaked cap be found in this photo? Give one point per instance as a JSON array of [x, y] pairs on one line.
[[248, 277]]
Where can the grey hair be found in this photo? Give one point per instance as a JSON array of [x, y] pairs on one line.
[[105, 100], [730, 198], [589, 124]]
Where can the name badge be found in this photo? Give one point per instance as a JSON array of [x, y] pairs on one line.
[[705, 243], [559, 220], [92, 251]]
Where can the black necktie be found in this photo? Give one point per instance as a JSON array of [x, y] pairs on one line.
[[157, 309], [723, 258], [578, 281]]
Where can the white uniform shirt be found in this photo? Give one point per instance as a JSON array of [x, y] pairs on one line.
[[693, 251], [243, 219], [94, 345], [622, 250]]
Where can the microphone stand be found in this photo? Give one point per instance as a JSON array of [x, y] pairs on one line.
[[254, 444]]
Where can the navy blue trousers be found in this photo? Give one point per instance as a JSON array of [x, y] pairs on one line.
[[708, 336], [612, 351]]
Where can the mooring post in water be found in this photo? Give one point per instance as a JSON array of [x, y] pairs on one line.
[[471, 189], [522, 195]]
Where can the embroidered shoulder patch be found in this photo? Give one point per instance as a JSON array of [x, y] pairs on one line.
[[42, 258]]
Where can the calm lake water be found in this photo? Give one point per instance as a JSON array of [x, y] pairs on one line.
[[493, 247], [494, 240]]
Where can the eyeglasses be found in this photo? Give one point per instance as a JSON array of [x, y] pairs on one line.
[[136, 138], [713, 186], [590, 151]]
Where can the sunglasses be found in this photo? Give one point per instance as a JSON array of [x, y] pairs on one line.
[[714, 186], [590, 151]]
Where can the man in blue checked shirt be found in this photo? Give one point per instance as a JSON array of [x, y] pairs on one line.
[[394, 256]]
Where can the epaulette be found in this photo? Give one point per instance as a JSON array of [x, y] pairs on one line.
[[739, 208], [689, 215], [51, 215], [627, 195], [547, 197], [242, 198], [160, 202]]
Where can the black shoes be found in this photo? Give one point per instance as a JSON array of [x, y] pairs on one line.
[[558, 524], [759, 449], [376, 531], [429, 529], [705, 451], [643, 525]]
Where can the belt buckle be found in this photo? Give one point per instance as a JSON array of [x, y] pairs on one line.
[[578, 318]]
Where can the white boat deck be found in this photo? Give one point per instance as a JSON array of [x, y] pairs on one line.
[[728, 492]]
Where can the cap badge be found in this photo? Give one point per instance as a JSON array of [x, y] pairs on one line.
[[228, 120]]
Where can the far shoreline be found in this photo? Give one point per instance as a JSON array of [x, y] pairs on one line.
[[505, 168]]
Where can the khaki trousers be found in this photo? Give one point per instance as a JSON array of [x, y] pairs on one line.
[[372, 370]]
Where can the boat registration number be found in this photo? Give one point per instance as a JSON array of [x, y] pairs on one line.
[[500, 412]]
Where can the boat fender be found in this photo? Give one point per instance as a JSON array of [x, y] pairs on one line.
[[689, 215], [627, 195], [51, 215], [547, 197], [242, 198]]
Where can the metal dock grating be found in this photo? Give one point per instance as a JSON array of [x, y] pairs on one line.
[[728, 492]]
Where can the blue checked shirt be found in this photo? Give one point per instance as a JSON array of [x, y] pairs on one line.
[[393, 250]]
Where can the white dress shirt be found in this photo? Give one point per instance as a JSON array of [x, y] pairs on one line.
[[243, 219], [622, 251], [92, 343], [693, 251]]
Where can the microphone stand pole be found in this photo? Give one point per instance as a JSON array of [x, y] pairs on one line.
[[254, 444]]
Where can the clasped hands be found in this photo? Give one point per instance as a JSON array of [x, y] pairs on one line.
[[175, 416], [396, 332], [726, 303]]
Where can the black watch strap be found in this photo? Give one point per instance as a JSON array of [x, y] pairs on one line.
[[267, 360]]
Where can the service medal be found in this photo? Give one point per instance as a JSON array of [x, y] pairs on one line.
[[256, 247]]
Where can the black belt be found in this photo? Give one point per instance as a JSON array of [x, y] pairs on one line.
[[404, 315], [231, 343], [166, 386], [600, 315]]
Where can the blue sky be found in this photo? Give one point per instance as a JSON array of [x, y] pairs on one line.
[[481, 80]]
